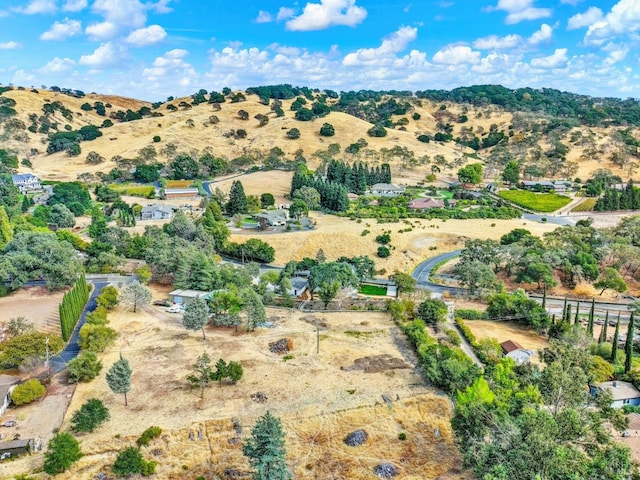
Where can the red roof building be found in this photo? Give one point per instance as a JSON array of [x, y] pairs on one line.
[[509, 346]]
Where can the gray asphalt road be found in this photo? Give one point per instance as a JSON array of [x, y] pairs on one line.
[[423, 271]]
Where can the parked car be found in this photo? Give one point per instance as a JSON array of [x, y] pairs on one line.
[[9, 423], [175, 309]]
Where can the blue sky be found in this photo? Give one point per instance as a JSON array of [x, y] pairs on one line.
[[156, 48]]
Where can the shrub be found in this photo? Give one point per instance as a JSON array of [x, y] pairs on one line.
[[62, 452], [327, 130], [453, 337], [470, 314], [156, 138], [28, 392], [84, 367], [466, 332], [383, 252], [377, 131], [293, 134], [148, 435], [129, 462], [383, 238]]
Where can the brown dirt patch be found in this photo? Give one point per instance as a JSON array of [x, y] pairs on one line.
[[36, 304], [503, 331]]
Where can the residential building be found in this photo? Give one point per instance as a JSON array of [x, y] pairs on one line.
[[386, 190], [272, 218], [26, 182], [157, 212], [14, 448], [425, 203], [7, 384], [299, 286], [509, 346], [185, 296], [623, 393], [521, 356]]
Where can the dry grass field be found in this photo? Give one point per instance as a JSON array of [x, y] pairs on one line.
[[503, 331], [338, 236], [319, 396]]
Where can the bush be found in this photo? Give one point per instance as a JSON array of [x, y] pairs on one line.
[[383, 252], [90, 416], [383, 238], [466, 332], [28, 392], [377, 131], [293, 134], [453, 337], [84, 367], [148, 435], [470, 314], [327, 130], [129, 462], [156, 138]]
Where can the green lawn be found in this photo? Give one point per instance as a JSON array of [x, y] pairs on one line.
[[540, 202], [373, 290], [249, 220]]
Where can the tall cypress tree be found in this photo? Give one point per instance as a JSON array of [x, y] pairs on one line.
[[628, 347], [544, 297], [568, 318], [603, 333], [237, 199], [564, 310], [576, 319], [591, 315], [614, 343]]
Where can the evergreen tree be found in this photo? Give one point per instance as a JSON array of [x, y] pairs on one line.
[[63, 451], [202, 373], [544, 297], [564, 310], [136, 294], [196, 315], [614, 343], [237, 199], [568, 316], [265, 450], [119, 377], [628, 347], [603, 333], [576, 319], [6, 230], [591, 319]]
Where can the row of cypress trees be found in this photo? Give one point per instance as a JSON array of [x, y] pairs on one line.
[[72, 305]]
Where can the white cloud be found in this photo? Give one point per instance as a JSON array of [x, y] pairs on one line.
[[61, 30], [38, 6], [58, 65], [328, 13], [9, 45], [545, 33], [394, 43], [493, 63], [118, 15], [617, 53], [74, 5], [171, 68], [570, 2], [20, 77], [456, 55], [147, 36], [264, 17], [557, 59], [162, 6], [104, 56], [285, 13], [493, 42], [579, 20], [102, 30], [519, 10], [624, 18]]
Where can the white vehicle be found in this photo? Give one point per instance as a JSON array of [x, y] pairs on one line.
[[175, 308]]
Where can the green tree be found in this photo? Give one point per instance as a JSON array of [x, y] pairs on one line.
[[202, 373], [237, 199], [628, 347], [95, 338], [130, 461], [327, 130], [27, 392], [136, 294], [196, 315], [298, 209], [309, 196], [184, 167], [119, 377], [405, 282], [27, 347], [471, 174], [63, 451], [328, 292], [267, 200], [511, 173], [6, 230], [108, 297], [18, 326], [615, 341], [253, 307], [265, 450], [610, 278], [91, 415], [432, 311], [84, 367], [475, 275]]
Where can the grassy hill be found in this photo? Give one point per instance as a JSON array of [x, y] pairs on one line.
[[560, 146]]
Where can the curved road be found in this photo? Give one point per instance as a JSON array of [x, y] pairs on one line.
[[423, 271]]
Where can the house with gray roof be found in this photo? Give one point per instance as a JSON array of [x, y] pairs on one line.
[[26, 182], [157, 212], [7, 384], [386, 190], [623, 393], [273, 218]]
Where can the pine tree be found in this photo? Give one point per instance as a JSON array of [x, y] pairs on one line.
[[628, 347], [564, 310], [237, 199], [614, 343], [576, 319], [568, 316], [603, 333], [544, 298], [265, 450], [196, 315], [119, 377]]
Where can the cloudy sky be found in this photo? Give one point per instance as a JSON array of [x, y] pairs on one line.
[[156, 48]]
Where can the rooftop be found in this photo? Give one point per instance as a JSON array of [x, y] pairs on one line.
[[620, 390], [510, 346]]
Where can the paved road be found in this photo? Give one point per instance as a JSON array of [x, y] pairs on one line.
[[71, 351], [423, 272]]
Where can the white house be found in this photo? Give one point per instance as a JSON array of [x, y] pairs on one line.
[[157, 212], [386, 190], [274, 218], [521, 356], [624, 393], [185, 296], [7, 384], [26, 182]]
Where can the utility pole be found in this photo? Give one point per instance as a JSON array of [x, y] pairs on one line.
[[46, 343]]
